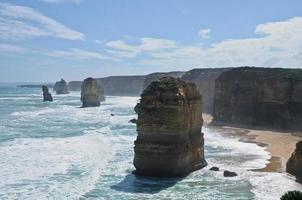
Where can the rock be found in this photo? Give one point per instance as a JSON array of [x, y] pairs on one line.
[[262, 97], [92, 93], [214, 169], [169, 140], [74, 85], [134, 121], [227, 173], [157, 75], [61, 87], [112, 114], [294, 164], [46, 95]]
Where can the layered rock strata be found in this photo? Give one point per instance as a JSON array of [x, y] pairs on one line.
[[92, 93], [294, 164], [61, 87], [46, 95], [169, 140]]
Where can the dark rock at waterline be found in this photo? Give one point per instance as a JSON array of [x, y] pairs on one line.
[[46, 95], [134, 121], [112, 114], [214, 169], [294, 164], [227, 173], [92, 93], [169, 140], [61, 87]]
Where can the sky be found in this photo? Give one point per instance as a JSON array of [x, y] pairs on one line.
[[45, 40]]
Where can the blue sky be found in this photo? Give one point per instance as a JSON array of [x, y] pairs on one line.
[[44, 40]]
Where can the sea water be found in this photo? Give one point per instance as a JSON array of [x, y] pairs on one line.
[[57, 150]]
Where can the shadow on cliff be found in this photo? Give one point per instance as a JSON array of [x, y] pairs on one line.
[[138, 184]]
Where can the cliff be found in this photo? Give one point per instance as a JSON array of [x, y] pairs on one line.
[[156, 76], [205, 79], [169, 140], [92, 93], [294, 164], [122, 85], [61, 87], [260, 97], [74, 85]]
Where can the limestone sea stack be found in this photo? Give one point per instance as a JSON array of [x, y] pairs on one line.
[[92, 93], [169, 140], [46, 95], [294, 164], [61, 87]]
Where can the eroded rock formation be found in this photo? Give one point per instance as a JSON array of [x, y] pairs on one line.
[[169, 140], [92, 93], [46, 95], [61, 87], [261, 97], [294, 164], [74, 85]]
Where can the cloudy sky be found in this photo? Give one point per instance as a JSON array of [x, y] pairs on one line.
[[44, 40]]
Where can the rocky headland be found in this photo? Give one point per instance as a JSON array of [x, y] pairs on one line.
[[156, 76], [169, 140], [92, 93], [61, 87], [46, 95], [294, 164]]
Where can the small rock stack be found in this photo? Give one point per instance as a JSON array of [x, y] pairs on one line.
[[92, 93], [294, 164], [61, 87], [46, 95], [169, 140]]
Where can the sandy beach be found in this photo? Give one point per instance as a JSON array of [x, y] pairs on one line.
[[279, 144]]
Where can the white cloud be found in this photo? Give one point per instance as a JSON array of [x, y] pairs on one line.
[[276, 44], [11, 49], [21, 22], [79, 54], [204, 33], [63, 1]]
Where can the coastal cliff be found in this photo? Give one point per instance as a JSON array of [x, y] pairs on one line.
[[169, 140], [156, 76], [260, 97], [92, 93], [294, 164], [61, 87], [74, 85], [204, 80]]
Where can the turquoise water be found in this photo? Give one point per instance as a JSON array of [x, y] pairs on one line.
[[60, 151]]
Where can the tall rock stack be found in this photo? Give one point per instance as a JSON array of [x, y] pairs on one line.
[[61, 87], [169, 141], [92, 93], [294, 164], [46, 95]]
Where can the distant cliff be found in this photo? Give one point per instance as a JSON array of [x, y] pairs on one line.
[[205, 79], [156, 76], [122, 85], [74, 85], [260, 97]]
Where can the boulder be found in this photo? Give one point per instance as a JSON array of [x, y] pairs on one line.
[[169, 140], [214, 168], [92, 93], [46, 95], [227, 173], [294, 164], [61, 87], [134, 121]]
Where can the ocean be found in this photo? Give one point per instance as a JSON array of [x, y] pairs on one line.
[[57, 150]]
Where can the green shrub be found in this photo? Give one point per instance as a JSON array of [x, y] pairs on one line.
[[292, 195]]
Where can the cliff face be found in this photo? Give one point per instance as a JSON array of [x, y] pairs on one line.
[[169, 140], [294, 164], [205, 79], [92, 93], [156, 76], [260, 97], [122, 85], [46, 95], [61, 87], [74, 85]]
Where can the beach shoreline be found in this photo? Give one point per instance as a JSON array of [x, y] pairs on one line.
[[280, 145]]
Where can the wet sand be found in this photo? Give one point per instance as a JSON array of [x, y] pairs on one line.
[[279, 144]]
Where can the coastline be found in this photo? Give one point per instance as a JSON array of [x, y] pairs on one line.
[[280, 145]]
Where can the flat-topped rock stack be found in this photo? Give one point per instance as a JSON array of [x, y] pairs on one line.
[[294, 164], [169, 140], [92, 93], [46, 95], [61, 87]]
